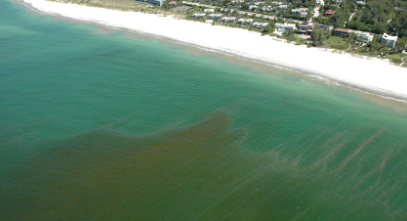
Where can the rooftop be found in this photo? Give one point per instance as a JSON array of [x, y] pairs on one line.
[[343, 30], [181, 9], [329, 12]]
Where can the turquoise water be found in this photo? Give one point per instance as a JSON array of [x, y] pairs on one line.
[[103, 125]]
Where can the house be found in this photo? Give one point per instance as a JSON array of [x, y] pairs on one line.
[[260, 24], [181, 9], [209, 10], [360, 2], [228, 19], [325, 27], [364, 36], [266, 9], [253, 7], [259, 3], [245, 21], [283, 6], [391, 40], [209, 21], [321, 2], [172, 3], [338, 1], [277, 3], [215, 16], [156, 2], [299, 12], [329, 12], [198, 15], [340, 32], [305, 28], [285, 27]]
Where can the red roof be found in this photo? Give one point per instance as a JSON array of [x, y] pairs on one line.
[[329, 12]]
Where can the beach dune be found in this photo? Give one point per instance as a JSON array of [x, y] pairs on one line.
[[371, 75]]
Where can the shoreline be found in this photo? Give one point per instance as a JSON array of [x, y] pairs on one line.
[[390, 87]]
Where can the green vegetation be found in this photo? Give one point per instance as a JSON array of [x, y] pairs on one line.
[[337, 43]]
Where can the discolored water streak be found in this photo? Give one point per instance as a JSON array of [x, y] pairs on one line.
[[202, 172]]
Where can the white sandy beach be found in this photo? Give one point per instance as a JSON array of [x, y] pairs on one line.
[[374, 74]]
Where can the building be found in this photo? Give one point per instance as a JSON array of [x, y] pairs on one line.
[[259, 3], [343, 33], [172, 3], [283, 6], [245, 21], [338, 1], [155, 2], [329, 12], [266, 9], [209, 10], [299, 12], [364, 36], [209, 21], [391, 40], [285, 27], [215, 16], [305, 28], [325, 27], [260, 24], [251, 7], [321, 2], [198, 15], [228, 19], [360, 2]]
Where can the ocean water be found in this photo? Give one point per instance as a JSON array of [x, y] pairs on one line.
[[107, 125]]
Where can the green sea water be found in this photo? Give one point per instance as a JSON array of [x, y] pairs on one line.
[[98, 125]]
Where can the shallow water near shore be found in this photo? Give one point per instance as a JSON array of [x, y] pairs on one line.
[[102, 126]]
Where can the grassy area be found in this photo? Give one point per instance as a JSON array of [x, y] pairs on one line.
[[337, 43], [396, 58]]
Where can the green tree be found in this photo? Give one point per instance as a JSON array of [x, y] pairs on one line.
[[401, 44], [374, 45], [269, 28], [245, 6]]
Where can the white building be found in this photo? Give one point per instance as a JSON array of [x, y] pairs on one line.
[[364, 36], [360, 2], [253, 7], [260, 24], [228, 19], [245, 21], [285, 27], [209, 21], [283, 6], [338, 1], [155, 2], [199, 15], [300, 12], [277, 3], [209, 10], [266, 9], [321, 2], [215, 16], [258, 3], [391, 40]]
